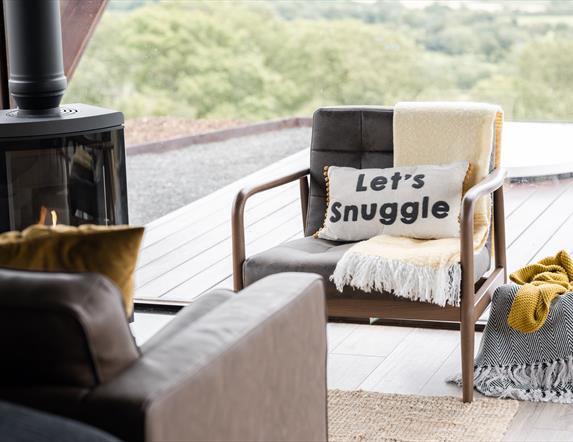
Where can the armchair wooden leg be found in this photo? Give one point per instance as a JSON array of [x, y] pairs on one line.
[[468, 337], [467, 334]]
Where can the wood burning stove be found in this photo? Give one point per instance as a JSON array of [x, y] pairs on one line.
[[73, 164], [66, 161]]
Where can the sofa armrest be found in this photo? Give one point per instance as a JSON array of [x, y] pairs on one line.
[[254, 368], [238, 216]]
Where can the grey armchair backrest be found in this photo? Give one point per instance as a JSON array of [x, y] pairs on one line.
[[351, 136]]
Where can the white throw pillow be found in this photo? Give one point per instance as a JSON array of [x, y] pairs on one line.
[[415, 201]]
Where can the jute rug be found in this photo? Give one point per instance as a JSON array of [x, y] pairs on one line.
[[368, 416]]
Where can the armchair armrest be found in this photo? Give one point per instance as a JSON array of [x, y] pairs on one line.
[[238, 216], [492, 183], [252, 368]]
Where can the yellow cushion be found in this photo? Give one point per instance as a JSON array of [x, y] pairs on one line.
[[111, 251]]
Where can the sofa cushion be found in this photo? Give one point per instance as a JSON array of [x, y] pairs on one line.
[[61, 329], [319, 256], [21, 424]]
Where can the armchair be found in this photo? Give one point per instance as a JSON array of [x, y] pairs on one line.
[[250, 366], [362, 137]]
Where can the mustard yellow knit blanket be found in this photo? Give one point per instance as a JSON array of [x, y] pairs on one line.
[[540, 284]]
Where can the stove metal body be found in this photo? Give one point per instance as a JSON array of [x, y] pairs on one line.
[[65, 162]]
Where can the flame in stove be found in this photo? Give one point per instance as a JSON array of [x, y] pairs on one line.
[[44, 215]]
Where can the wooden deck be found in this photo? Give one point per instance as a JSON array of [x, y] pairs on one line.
[[188, 252]]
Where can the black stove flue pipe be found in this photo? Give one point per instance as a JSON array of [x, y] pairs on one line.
[[34, 39]]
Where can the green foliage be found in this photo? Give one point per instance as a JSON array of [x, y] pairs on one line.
[[259, 60], [545, 79]]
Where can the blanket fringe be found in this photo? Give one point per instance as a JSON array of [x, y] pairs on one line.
[[440, 285], [540, 382]]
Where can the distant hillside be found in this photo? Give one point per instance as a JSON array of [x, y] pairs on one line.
[[265, 59]]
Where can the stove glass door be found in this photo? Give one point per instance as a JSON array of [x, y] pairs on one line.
[[71, 180]]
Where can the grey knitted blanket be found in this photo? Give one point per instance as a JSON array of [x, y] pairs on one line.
[[534, 366]]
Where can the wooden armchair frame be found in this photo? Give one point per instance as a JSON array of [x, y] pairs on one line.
[[475, 295]]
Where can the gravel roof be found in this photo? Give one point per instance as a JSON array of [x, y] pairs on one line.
[[162, 182], [147, 129]]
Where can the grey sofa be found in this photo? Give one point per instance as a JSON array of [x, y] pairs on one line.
[[23, 424], [247, 366]]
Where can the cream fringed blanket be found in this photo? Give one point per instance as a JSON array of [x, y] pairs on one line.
[[428, 270]]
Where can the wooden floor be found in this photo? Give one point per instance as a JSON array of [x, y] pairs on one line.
[[188, 252], [407, 361]]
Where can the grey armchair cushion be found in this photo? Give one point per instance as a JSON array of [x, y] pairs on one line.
[[360, 137], [319, 256]]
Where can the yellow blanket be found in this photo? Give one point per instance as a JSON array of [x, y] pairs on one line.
[[540, 284], [428, 270]]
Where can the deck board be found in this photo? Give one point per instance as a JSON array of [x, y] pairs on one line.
[[543, 226], [544, 194], [271, 230], [188, 252], [519, 194], [208, 224], [193, 241]]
